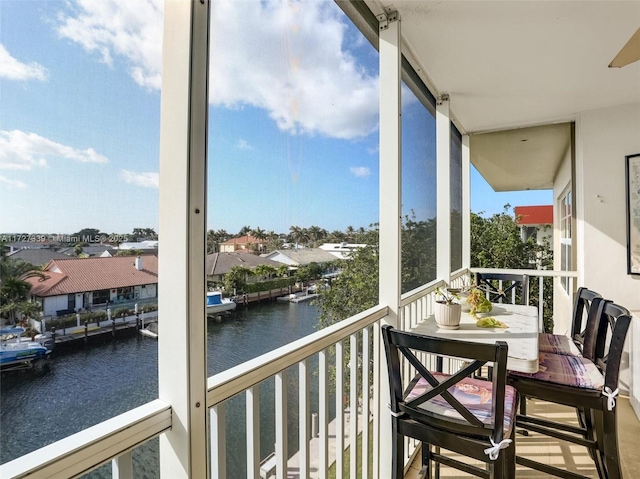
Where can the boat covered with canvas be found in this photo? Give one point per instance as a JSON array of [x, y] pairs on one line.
[[19, 353], [216, 304]]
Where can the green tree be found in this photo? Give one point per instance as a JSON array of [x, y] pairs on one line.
[[282, 271], [129, 252], [298, 235], [245, 230], [274, 242], [418, 252], [214, 238], [264, 270], [354, 290], [236, 279], [144, 234], [308, 272]]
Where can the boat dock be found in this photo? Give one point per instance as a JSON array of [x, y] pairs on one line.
[[107, 330], [298, 297]]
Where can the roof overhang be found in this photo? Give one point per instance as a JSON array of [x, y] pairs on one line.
[[510, 66], [521, 159]]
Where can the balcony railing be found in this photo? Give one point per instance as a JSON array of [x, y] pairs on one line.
[[115, 438]]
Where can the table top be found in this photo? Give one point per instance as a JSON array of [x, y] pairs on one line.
[[521, 335]]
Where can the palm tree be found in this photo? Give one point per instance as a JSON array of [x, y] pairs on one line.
[[236, 278], [245, 230], [316, 234], [282, 271], [214, 238], [298, 234], [260, 235], [264, 270], [274, 241], [350, 232]]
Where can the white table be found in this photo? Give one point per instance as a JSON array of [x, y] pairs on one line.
[[521, 334]]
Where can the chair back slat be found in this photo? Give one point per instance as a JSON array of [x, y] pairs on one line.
[[582, 330], [497, 291], [612, 331]]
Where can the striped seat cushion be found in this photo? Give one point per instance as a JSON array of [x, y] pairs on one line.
[[475, 394], [574, 371], [557, 344]]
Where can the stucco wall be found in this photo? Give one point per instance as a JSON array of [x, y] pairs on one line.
[[605, 137]]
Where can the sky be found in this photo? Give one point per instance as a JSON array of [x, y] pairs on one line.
[[293, 132]]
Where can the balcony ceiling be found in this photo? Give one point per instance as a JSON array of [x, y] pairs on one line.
[[511, 65]]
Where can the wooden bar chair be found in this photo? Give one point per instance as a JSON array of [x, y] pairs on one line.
[[583, 326], [503, 287], [472, 417], [588, 384]]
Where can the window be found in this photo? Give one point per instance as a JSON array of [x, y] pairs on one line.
[[456, 199], [418, 183], [71, 301], [566, 263], [80, 110], [101, 297]]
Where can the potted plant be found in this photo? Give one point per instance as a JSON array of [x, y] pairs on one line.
[[447, 311], [478, 302], [463, 293]]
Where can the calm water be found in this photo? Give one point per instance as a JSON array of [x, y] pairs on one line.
[[88, 386]]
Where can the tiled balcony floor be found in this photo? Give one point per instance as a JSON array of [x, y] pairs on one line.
[[552, 451]]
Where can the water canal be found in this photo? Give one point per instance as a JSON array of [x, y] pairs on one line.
[[85, 387]]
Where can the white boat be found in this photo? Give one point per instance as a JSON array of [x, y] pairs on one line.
[[216, 304], [18, 353], [151, 330]]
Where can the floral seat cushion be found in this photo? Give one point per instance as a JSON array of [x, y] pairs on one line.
[[574, 371], [557, 344], [475, 394]]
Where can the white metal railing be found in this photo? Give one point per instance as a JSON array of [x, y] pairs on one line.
[[115, 438], [540, 274], [246, 377], [79, 453]]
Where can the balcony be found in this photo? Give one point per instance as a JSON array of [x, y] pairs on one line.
[[114, 439]]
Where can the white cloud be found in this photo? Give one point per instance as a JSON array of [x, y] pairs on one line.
[[12, 183], [244, 145], [12, 69], [287, 58], [360, 171], [120, 28], [281, 56], [147, 179], [24, 151]]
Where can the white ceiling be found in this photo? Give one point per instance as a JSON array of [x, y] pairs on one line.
[[508, 65]]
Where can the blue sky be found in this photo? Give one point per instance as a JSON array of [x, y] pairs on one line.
[[293, 118]]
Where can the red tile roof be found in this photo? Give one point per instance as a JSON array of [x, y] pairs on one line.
[[244, 240], [534, 215], [77, 275]]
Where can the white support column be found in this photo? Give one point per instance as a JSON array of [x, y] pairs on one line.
[[219, 443], [182, 226], [304, 405], [253, 431], [339, 420], [323, 415], [390, 222], [466, 202], [443, 175], [281, 425]]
